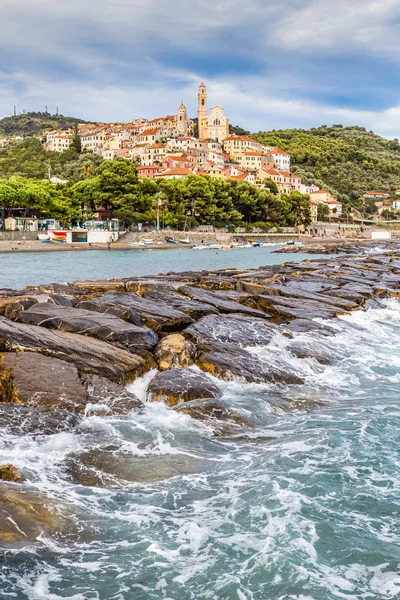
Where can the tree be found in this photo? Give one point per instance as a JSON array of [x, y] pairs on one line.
[[76, 140], [322, 212], [296, 209], [119, 188]]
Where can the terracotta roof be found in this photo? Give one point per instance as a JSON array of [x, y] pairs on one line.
[[150, 132], [177, 171], [277, 151], [178, 158], [246, 153], [377, 194], [152, 167], [240, 177]]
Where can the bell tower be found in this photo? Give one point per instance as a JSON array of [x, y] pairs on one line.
[[182, 120], [202, 111]]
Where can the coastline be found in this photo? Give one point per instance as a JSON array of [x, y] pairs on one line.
[[137, 387], [12, 247]]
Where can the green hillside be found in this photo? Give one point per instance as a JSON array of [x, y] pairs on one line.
[[35, 123], [346, 160]]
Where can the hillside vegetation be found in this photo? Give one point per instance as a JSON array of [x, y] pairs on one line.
[[346, 160], [35, 123]]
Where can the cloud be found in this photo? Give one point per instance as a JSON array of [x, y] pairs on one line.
[[370, 26], [307, 63]]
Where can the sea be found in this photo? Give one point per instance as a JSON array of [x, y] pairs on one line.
[[302, 506]]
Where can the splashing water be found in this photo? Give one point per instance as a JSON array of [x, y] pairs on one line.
[[303, 506]]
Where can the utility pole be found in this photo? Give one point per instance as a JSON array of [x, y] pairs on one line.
[[46, 165]]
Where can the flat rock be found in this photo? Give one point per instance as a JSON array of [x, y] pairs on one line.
[[291, 308], [46, 381], [223, 420], [99, 286], [98, 305], [26, 514], [110, 466], [89, 355], [219, 302], [155, 315], [230, 362], [109, 398], [235, 329], [193, 308], [181, 385], [101, 326], [18, 419]]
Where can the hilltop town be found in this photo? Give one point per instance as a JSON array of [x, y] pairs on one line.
[[175, 146]]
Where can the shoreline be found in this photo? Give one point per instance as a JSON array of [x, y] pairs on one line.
[[11, 247]]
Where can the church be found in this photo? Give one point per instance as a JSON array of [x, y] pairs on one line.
[[216, 124]]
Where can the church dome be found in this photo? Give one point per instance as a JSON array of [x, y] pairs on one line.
[[182, 107]]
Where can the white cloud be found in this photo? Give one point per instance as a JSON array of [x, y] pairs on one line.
[[249, 105], [342, 25], [116, 59]]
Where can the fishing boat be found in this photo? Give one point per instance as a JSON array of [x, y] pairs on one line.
[[148, 241]]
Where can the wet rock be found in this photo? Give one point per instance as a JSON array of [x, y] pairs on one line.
[[193, 308], [10, 473], [291, 308], [307, 326], [219, 302], [291, 291], [45, 381], [236, 329], [181, 385], [174, 351], [223, 420], [110, 466], [108, 398], [155, 315], [101, 326], [87, 354], [19, 419], [25, 515], [230, 362]]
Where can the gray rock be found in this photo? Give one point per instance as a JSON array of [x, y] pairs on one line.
[[181, 385], [235, 329], [87, 354], [101, 326]]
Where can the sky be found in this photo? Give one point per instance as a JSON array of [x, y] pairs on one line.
[[270, 64]]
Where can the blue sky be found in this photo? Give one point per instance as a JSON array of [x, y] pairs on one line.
[[272, 65]]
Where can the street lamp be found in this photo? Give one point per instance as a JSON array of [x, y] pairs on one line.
[[46, 165]]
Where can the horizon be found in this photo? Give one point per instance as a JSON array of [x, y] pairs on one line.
[[309, 65]]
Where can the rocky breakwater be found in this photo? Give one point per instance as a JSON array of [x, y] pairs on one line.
[[68, 353]]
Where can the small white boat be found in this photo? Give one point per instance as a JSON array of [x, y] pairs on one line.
[[201, 247], [184, 241], [137, 244], [148, 241]]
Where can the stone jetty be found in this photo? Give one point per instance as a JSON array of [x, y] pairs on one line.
[[71, 350]]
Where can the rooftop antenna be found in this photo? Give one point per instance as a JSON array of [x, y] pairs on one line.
[[46, 110], [15, 111], [57, 111]]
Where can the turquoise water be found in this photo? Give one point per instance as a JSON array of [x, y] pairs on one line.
[[305, 506], [19, 270]]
